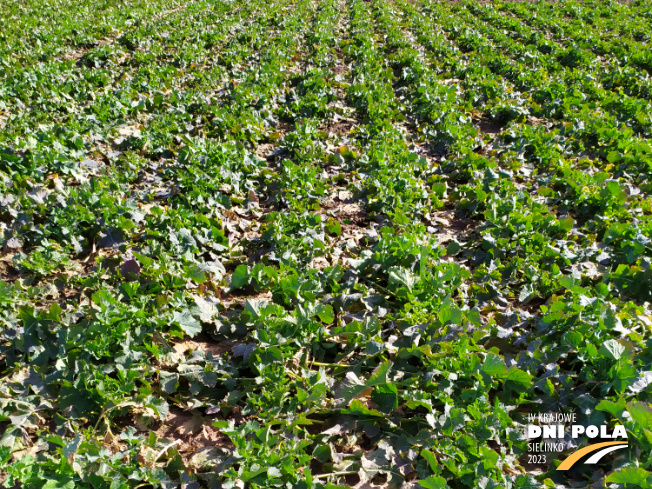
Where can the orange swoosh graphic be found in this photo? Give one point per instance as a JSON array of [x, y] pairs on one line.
[[575, 456]]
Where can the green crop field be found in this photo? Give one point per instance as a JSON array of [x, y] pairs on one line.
[[324, 243]]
